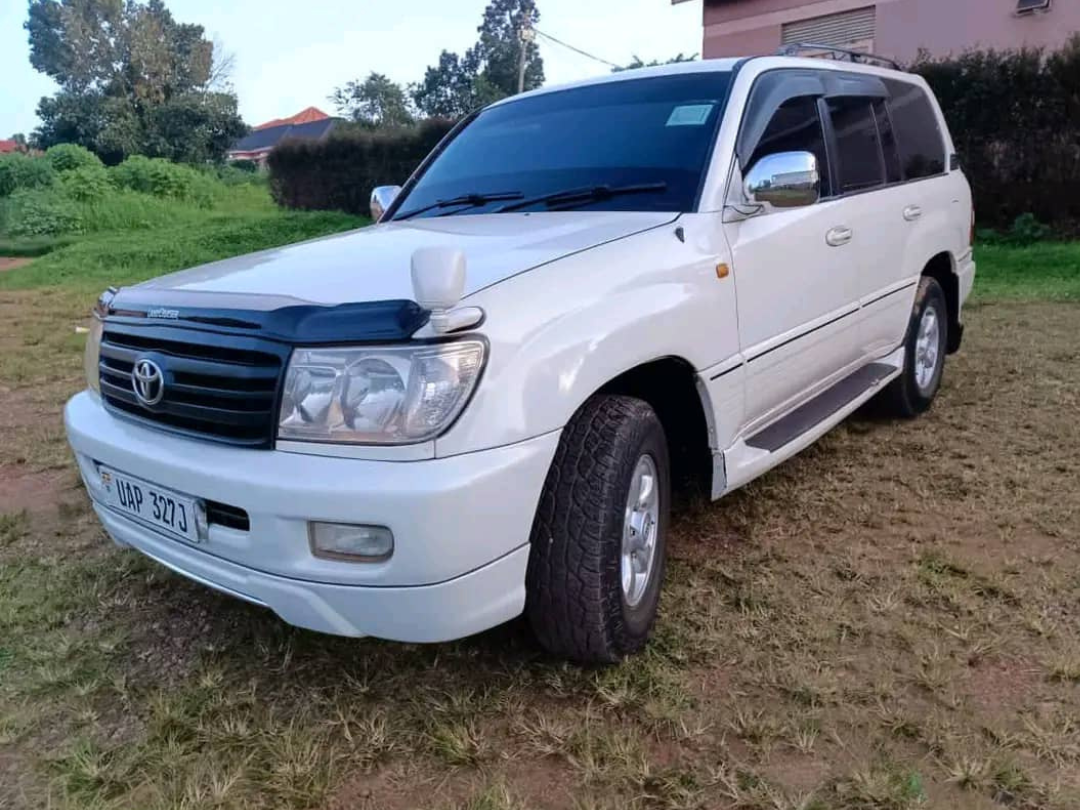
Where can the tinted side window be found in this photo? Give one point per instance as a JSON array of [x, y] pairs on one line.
[[857, 144], [922, 147], [893, 172], [796, 127]]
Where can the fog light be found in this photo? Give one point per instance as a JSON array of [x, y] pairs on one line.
[[341, 541]]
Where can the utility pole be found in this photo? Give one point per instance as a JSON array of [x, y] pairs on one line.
[[525, 36]]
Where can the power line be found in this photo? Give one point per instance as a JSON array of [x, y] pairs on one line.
[[586, 54]]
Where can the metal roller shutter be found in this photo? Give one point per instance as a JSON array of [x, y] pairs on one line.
[[833, 29]]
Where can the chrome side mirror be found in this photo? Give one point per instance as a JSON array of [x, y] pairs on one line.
[[784, 180], [381, 199]]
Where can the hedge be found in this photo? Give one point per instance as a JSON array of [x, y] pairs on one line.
[[338, 173], [1015, 119]]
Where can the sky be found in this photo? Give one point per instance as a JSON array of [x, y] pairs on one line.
[[292, 55]]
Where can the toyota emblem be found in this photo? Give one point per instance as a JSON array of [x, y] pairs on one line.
[[148, 382]]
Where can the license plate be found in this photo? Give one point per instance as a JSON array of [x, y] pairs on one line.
[[161, 508]]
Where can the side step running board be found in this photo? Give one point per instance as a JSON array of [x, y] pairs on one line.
[[820, 408]]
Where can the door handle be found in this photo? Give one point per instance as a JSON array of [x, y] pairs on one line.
[[912, 213], [839, 236]]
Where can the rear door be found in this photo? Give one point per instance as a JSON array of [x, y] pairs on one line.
[[867, 173], [916, 206]]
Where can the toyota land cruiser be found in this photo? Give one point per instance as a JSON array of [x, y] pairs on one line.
[[478, 406]]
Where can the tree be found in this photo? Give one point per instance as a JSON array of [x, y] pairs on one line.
[[128, 72], [193, 128], [637, 62], [501, 42], [488, 71], [375, 102], [451, 88]]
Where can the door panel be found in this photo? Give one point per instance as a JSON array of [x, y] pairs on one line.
[[794, 275], [911, 214], [886, 289], [796, 301], [869, 171]]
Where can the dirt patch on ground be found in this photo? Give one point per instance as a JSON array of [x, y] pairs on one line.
[[887, 621], [33, 491], [13, 262]]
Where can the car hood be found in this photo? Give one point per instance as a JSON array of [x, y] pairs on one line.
[[373, 264]]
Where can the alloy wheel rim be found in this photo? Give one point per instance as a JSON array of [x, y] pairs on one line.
[[927, 350], [640, 530]]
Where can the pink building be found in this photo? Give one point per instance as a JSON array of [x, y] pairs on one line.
[[895, 28]]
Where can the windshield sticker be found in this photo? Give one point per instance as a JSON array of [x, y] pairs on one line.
[[690, 115]]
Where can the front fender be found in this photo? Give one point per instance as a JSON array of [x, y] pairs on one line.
[[560, 333]]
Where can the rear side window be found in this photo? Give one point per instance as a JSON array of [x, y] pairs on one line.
[[796, 127], [918, 136], [858, 146]]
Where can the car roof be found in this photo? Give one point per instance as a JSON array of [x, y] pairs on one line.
[[697, 66], [760, 63]]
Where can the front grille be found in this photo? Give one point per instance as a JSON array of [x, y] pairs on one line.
[[216, 387]]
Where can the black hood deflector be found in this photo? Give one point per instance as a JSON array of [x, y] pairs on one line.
[[296, 324]]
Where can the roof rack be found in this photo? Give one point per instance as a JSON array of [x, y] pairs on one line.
[[839, 54]]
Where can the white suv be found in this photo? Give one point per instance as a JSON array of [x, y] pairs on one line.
[[479, 406]]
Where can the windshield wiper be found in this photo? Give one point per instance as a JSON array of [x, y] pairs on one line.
[[471, 200], [584, 195]]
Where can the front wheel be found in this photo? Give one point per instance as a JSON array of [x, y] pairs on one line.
[[927, 338], [598, 541]]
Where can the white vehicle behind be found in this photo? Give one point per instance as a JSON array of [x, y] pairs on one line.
[[585, 297]]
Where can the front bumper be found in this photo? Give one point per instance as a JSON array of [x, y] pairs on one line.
[[461, 526]]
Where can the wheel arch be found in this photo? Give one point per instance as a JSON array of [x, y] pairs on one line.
[[942, 268], [670, 386]]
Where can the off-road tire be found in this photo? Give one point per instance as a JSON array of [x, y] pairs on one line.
[[902, 397], [575, 600]]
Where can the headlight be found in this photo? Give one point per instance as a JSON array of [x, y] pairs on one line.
[[93, 353], [372, 395]]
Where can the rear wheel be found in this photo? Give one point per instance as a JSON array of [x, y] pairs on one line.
[[598, 542], [927, 338]]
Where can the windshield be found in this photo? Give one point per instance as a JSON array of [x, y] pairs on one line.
[[653, 136]]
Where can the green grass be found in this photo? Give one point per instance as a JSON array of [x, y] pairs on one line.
[[130, 237], [1040, 272], [30, 246], [119, 258]]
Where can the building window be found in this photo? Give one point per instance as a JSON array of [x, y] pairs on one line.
[[849, 29], [1028, 6]]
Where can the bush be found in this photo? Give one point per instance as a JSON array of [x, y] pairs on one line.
[[231, 175], [66, 157], [339, 173], [245, 165], [1015, 119], [1026, 230], [40, 212], [161, 178], [19, 171], [87, 183]]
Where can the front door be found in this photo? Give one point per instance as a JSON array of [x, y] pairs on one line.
[[794, 275]]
